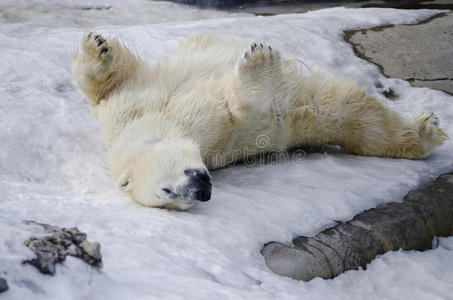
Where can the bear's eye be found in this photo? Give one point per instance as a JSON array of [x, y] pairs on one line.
[[124, 184], [169, 193]]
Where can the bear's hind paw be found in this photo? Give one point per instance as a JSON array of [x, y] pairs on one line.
[[260, 66], [429, 128], [259, 56]]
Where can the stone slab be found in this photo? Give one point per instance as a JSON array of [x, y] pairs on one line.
[[420, 53]]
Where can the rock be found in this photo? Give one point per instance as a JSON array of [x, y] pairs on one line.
[[91, 249], [63, 241], [47, 255], [273, 7], [420, 53], [410, 225], [3, 285]]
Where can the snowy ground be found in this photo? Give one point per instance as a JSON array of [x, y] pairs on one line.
[[53, 168]]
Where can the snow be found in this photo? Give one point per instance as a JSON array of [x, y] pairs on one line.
[[53, 167]]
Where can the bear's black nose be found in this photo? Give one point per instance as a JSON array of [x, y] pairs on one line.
[[198, 174], [199, 184], [203, 195]]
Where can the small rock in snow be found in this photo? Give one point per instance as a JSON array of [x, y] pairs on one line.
[[64, 241], [3, 285]]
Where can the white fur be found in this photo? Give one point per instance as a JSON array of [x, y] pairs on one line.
[[216, 97]]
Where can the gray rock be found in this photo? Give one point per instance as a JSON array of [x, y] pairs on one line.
[[420, 53], [91, 249], [47, 255], [410, 225], [63, 241], [3, 285]]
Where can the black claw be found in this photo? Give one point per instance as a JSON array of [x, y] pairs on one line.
[[100, 42], [97, 37], [246, 55], [261, 44], [104, 51], [89, 35], [270, 49]]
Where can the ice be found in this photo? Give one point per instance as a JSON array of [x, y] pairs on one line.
[[53, 167]]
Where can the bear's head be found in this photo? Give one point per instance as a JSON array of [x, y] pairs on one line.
[[168, 173]]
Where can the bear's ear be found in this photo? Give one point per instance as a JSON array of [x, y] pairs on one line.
[[123, 183]]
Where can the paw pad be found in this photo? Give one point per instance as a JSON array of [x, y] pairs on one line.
[[260, 54], [96, 43]]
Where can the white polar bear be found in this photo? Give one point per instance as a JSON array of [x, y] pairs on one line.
[[162, 124]]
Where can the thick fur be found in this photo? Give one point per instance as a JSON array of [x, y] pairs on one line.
[[207, 104]]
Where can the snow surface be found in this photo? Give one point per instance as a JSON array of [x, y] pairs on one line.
[[53, 168]]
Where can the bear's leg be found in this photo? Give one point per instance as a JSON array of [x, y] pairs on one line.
[[381, 132], [366, 127], [258, 74], [100, 66]]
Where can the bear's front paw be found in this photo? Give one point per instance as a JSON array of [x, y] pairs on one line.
[[97, 46]]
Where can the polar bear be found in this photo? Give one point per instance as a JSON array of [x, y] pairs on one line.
[[162, 124]]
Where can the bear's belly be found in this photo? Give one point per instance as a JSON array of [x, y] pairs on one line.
[[256, 138]]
